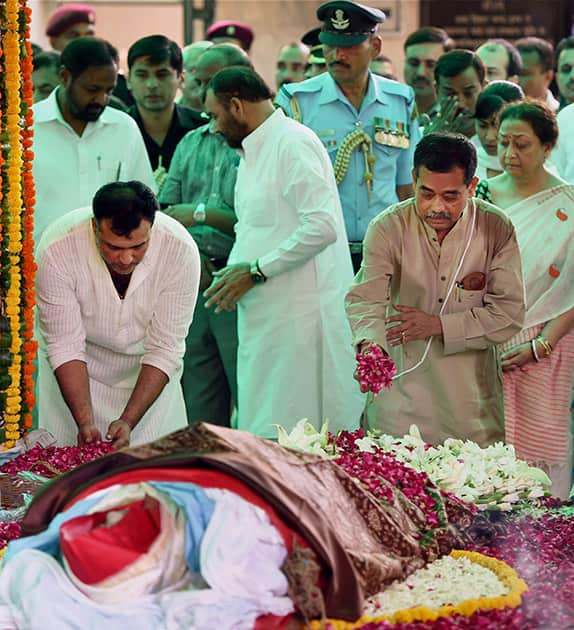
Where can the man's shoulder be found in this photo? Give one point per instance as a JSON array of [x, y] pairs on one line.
[[491, 211], [189, 118], [173, 230], [394, 88], [566, 117], [69, 226], [394, 215], [309, 86], [124, 120]]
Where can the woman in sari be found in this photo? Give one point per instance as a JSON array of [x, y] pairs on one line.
[[538, 363]]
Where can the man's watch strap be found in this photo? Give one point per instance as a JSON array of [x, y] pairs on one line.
[[256, 274]]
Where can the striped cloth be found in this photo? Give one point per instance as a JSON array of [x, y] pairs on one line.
[[537, 404]]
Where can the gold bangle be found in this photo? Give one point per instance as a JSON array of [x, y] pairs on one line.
[[545, 344]]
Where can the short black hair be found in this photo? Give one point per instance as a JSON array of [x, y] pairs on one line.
[[47, 59], [566, 43], [430, 35], [159, 49], [514, 58], [538, 115], [456, 61], [126, 204], [494, 96], [541, 47], [239, 82], [440, 152], [85, 52]]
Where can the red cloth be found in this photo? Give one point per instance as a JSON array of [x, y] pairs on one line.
[[95, 551], [201, 477]]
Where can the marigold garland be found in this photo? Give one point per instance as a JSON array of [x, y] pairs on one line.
[[17, 347], [506, 574]]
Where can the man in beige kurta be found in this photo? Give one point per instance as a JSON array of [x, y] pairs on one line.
[[452, 265]]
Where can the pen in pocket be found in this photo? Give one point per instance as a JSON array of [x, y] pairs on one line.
[[457, 294], [99, 158], [118, 171]]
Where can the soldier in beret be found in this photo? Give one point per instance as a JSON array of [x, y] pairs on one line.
[[69, 22], [366, 122], [230, 32]]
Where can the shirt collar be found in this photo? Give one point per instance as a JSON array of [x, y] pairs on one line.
[[48, 110], [256, 138], [332, 92]]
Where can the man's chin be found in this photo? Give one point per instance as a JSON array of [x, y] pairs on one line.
[[90, 115]]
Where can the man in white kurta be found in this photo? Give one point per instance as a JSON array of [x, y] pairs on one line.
[[82, 317], [73, 156], [295, 358]]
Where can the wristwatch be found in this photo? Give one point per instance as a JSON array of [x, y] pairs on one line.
[[199, 213], [256, 274]]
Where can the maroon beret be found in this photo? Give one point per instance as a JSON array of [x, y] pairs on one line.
[[231, 28], [68, 14]]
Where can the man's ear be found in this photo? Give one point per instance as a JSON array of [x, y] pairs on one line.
[[472, 186], [376, 45], [65, 76], [549, 76], [414, 175], [236, 107]]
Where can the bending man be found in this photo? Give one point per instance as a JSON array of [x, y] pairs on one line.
[[116, 292]]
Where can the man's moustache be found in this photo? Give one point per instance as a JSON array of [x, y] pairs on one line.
[[437, 215]]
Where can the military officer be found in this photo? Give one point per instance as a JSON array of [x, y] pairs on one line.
[[367, 123]]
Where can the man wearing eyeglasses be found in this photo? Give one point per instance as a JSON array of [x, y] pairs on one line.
[[422, 49]]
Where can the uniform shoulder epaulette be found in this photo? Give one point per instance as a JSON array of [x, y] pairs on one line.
[[304, 87], [394, 87]]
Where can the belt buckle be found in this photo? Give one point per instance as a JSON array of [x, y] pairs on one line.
[[356, 247]]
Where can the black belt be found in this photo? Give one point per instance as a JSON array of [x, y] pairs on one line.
[[218, 263], [356, 247]]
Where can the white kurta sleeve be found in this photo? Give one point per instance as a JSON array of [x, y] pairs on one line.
[[164, 343], [367, 299], [311, 191], [138, 166], [59, 311]]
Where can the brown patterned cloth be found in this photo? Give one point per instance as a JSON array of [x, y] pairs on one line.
[[13, 489], [361, 544]]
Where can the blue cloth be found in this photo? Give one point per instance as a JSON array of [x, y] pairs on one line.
[[327, 111], [198, 509], [197, 505]]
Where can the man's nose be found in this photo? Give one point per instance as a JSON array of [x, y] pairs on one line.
[[151, 81], [420, 71], [102, 98], [126, 257], [491, 133]]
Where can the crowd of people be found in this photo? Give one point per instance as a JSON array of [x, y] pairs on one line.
[[197, 234]]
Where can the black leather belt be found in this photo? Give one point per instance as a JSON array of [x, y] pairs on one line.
[[356, 247]]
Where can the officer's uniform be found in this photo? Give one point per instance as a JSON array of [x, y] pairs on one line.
[[378, 156]]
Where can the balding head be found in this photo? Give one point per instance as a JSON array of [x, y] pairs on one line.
[[217, 58]]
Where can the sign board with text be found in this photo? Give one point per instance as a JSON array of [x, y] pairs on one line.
[[471, 22]]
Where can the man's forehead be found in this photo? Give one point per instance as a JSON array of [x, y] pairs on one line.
[[429, 50], [146, 62], [467, 78], [441, 182], [566, 55]]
